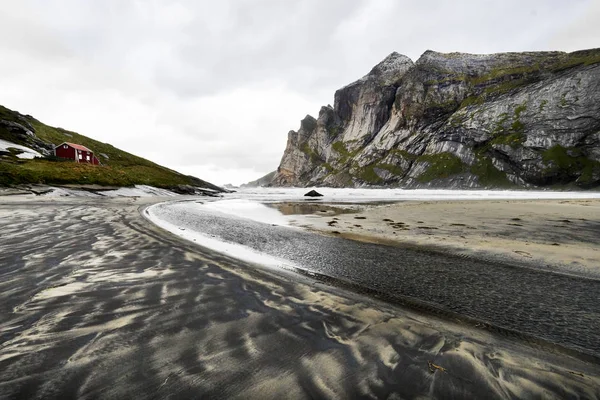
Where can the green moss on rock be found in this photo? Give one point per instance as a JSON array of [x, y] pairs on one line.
[[341, 149], [559, 158], [471, 100], [488, 175], [570, 162], [513, 140], [369, 175], [333, 131], [403, 154], [505, 87], [328, 167], [513, 135], [315, 158], [441, 166], [392, 168]]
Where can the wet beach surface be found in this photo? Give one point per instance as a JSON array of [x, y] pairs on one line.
[[555, 235], [556, 307], [96, 302]]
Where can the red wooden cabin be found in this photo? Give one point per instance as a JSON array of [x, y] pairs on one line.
[[77, 152]]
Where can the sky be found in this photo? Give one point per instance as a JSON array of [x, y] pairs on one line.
[[211, 88]]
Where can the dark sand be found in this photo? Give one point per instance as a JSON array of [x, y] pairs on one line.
[[505, 296], [98, 303]]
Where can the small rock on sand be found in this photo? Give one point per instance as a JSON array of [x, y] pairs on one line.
[[313, 193]]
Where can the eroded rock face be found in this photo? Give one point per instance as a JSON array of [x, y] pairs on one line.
[[456, 120], [21, 132]]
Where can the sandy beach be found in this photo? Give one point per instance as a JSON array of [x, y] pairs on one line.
[[99, 303], [559, 235]]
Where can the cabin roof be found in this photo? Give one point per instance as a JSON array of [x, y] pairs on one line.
[[76, 146]]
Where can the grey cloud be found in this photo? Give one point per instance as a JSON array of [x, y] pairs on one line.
[[178, 67]]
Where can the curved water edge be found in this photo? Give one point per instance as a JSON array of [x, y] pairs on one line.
[[214, 242], [509, 298]]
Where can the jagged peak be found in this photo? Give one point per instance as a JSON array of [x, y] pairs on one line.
[[325, 109], [391, 67], [392, 62], [308, 123], [387, 71]]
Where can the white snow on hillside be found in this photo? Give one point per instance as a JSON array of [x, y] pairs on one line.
[[26, 151]]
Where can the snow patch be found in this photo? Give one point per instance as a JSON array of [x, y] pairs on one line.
[[26, 152]]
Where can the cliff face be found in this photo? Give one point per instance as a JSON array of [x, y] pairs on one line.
[[457, 121]]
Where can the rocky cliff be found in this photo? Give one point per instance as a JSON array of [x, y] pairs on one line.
[[458, 121]]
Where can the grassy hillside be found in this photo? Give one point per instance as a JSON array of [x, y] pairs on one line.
[[118, 168]]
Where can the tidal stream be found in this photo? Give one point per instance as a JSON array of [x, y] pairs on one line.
[[555, 307]]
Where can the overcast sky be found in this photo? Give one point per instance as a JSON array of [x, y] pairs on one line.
[[211, 88]]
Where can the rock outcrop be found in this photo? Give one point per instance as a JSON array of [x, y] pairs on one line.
[[15, 128], [456, 121]]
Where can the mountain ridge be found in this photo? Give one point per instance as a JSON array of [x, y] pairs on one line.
[[456, 120]]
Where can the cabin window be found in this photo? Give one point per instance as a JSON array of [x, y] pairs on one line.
[[65, 147], [87, 158], [80, 156]]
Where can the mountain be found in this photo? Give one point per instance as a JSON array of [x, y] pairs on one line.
[[456, 121], [118, 168], [263, 181]]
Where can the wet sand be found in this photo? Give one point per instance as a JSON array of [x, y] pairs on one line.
[[95, 302], [556, 235], [495, 294]]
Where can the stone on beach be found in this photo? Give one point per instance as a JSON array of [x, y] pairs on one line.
[[313, 193]]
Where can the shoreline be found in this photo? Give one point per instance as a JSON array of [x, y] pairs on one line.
[[551, 235], [208, 325], [288, 270], [436, 282]]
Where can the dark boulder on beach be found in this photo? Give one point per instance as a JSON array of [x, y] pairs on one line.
[[313, 193]]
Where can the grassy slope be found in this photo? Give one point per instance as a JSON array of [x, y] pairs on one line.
[[119, 169]]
